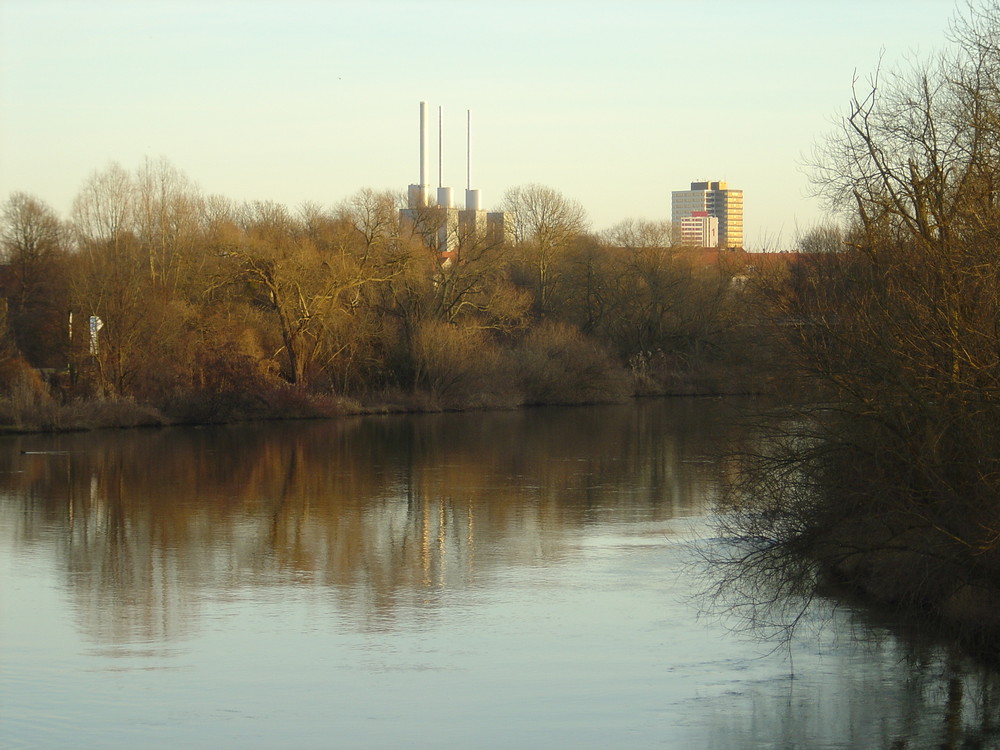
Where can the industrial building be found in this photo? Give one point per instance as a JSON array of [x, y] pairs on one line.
[[689, 209], [445, 227]]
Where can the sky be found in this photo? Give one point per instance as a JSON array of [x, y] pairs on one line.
[[612, 104]]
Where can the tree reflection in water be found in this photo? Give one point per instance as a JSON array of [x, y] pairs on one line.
[[382, 510], [769, 594], [388, 517]]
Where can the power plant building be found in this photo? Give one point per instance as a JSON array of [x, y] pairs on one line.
[[707, 200], [444, 226]]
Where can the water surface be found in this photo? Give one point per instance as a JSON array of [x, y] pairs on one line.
[[517, 579]]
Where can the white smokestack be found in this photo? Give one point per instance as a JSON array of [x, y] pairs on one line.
[[417, 195], [444, 198], [473, 202], [423, 143]]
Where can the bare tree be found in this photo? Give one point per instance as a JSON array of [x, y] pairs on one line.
[[543, 223], [312, 273], [636, 233], [104, 209], [134, 234], [168, 215], [825, 238], [888, 474], [33, 241], [473, 287]]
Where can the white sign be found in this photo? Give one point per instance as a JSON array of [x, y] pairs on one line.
[[96, 324]]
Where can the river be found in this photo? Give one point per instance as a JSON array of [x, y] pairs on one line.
[[523, 579]]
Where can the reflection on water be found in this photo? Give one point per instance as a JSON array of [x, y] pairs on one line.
[[382, 509], [503, 579]]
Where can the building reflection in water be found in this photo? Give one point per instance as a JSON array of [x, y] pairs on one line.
[[382, 511]]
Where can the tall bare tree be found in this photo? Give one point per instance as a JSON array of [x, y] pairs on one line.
[[168, 215], [543, 223], [33, 242]]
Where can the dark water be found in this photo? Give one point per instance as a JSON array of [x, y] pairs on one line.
[[503, 580]]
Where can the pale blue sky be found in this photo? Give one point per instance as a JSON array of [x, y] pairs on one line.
[[614, 104]]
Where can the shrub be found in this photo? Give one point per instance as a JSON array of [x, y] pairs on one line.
[[559, 365], [460, 368]]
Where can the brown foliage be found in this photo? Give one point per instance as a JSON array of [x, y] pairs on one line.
[[459, 367], [556, 364]]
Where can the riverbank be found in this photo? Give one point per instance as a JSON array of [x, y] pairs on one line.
[[911, 564], [827, 501], [94, 414], [39, 409]]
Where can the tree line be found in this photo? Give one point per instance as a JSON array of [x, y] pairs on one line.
[[199, 308]]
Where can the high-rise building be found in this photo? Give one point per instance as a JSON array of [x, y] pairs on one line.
[[714, 199]]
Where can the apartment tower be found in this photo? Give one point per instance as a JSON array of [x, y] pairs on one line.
[[711, 199], [699, 230]]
